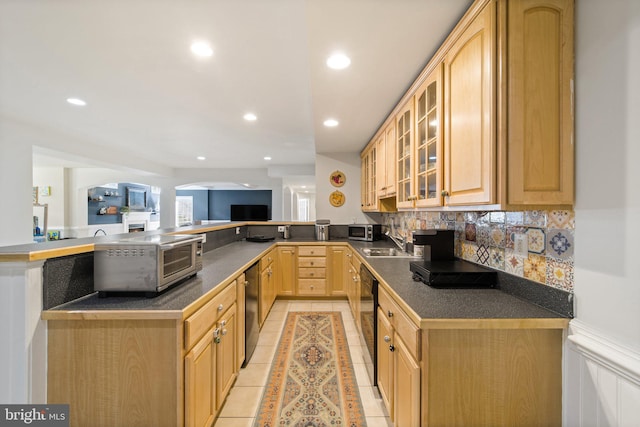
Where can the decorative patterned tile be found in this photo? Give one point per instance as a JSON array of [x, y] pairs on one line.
[[511, 232], [469, 251], [483, 235], [423, 224], [483, 255], [536, 238], [535, 218], [513, 263], [470, 232], [560, 274], [497, 234], [470, 217], [561, 219], [497, 217], [515, 218], [496, 258], [483, 218], [559, 243], [535, 268], [460, 217]]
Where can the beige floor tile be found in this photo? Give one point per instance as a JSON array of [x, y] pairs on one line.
[[277, 315], [242, 402], [356, 354], [377, 422], [233, 422], [371, 403], [263, 354], [272, 326], [255, 374], [353, 338], [268, 338], [280, 306], [341, 306], [362, 377], [321, 306], [300, 306]]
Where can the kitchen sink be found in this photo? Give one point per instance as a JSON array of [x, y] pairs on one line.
[[386, 253]]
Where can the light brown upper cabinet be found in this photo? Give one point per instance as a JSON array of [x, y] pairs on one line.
[[469, 103], [386, 164], [428, 146], [404, 150], [369, 189], [504, 134], [540, 152]]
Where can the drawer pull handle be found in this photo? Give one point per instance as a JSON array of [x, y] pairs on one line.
[[224, 332], [390, 313], [392, 348], [312, 263], [220, 307], [246, 283], [386, 338], [223, 323]]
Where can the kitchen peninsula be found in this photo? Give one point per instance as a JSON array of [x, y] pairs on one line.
[[138, 358]]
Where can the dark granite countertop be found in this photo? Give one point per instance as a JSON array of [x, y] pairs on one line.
[[223, 264]]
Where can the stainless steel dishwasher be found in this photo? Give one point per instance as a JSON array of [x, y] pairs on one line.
[[369, 321], [251, 328]]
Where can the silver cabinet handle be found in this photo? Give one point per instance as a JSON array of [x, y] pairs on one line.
[[392, 348], [390, 313], [220, 307], [224, 332], [246, 283], [386, 338], [223, 323]]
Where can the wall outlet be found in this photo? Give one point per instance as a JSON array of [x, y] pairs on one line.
[[237, 230], [521, 244], [281, 228]]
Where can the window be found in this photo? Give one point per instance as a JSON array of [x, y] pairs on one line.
[[184, 210]]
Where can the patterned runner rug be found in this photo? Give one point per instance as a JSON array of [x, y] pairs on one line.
[[312, 382]]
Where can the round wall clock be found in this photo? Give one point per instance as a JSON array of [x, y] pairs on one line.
[[337, 179], [337, 198]]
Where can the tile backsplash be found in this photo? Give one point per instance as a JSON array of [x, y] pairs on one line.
[[537, 245]]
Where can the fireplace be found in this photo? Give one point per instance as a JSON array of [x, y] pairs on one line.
[[135, 221]]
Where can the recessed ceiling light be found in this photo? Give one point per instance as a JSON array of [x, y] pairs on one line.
[[76, 101], [201, 158], [338, 61], [267, 158], [331, 123], [304, 186], [250, 117], [201, 48]]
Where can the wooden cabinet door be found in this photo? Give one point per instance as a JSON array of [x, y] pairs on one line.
[[406, 378], [428, 141], [240, 286], [385, 365], [369, 188], [390, 159], [469, 115], [200, 387], [540, 151], [264, 294], [226, 361], [404, 150], [286, 277], [336, 270], [381, 167]]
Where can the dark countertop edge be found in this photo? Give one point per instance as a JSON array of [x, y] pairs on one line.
[[58, 248]]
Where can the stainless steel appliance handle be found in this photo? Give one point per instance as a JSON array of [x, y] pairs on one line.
[[166, 246]]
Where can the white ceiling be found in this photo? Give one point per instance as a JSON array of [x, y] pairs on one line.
[[152, 102]]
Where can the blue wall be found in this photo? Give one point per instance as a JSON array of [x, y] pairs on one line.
[[220, 201]]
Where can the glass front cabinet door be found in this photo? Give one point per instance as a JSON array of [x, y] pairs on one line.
[[428, 142], [404, 148]]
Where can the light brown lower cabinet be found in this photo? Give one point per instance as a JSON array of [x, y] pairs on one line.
[[122, 369]]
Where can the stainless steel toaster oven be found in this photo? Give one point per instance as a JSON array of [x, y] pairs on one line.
[[147, 263]]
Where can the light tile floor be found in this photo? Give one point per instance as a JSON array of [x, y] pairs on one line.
[[242, 403]]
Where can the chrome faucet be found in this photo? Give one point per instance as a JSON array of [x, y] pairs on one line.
[[400, 242], [99, 230]]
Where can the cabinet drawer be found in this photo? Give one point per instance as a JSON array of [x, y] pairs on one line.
[[312, 251], [266, 260], [202, 320], [312, 286], [312, 262], [404, 327], [312, 273]]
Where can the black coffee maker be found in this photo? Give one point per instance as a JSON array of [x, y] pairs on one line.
[[440, 268]]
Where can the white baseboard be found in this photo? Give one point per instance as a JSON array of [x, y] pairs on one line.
[[601, 380]]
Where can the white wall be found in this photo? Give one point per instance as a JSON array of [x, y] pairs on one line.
[[602, 377], [349, 164], [53, 177], [16, 215]]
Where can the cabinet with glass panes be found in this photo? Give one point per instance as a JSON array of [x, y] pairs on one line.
[[404, 149], [428, 151]]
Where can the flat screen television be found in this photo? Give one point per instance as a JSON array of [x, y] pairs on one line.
[[249, 213]]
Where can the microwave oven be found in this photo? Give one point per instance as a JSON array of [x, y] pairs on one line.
[[147, 264], [366, 232]]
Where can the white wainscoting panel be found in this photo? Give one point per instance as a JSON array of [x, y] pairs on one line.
[[602, 381]]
